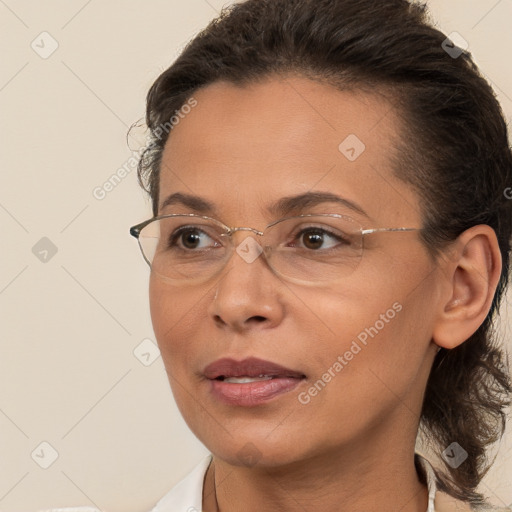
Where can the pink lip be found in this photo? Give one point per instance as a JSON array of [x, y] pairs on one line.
[[249, 367], [252, 393]]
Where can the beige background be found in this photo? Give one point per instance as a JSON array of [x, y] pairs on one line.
[[70, 325]]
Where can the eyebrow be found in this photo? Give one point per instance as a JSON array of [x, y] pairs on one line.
[[196, 203], [282, 207]]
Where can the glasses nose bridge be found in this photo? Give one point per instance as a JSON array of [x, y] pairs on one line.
[[263, 250], [252, 230]]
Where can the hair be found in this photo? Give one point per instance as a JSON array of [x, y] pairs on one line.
[[452, 149]]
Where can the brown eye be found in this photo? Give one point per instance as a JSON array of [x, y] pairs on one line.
[[316, 238], [313, 240], [190, 238]]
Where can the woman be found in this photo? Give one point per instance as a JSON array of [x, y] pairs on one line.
[[329, 247]]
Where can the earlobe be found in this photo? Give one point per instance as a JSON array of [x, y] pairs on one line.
[[472, 273]]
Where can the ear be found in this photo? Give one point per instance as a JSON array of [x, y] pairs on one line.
[[471, 273]]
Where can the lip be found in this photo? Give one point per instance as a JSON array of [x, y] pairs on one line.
[[249, 367], [283, 380]]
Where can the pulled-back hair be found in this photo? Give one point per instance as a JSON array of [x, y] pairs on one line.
[[452, 149]]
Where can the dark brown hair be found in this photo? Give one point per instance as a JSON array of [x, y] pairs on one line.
[[453, 149]]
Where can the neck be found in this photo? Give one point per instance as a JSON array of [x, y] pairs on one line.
[[352, 480]]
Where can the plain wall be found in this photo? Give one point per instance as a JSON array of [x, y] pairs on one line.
[[71, 321]]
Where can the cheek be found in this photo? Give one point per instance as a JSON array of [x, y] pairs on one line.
[[378, 320], [371, 354], [399, 340], [160, 305], [173, 311]]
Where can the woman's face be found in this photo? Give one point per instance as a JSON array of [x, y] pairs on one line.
[[360, 348]]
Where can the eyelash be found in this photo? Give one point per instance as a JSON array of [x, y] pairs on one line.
[[323, 231], [175, 236]]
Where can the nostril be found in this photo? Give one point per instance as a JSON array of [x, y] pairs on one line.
[[258, 318], [218, 319]]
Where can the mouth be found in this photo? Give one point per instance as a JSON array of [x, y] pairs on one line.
[[250, 382], [249, 370], [245, 380]]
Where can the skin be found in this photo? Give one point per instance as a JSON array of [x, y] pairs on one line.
[[352, 446]]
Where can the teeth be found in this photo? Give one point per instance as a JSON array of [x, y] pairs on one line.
[[246, 380]]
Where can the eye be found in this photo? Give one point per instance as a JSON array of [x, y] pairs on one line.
[[191, 238], [315, 238]]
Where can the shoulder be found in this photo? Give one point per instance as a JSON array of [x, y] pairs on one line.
[[492, 508], [185, 496], [442, 502], [446, 503]]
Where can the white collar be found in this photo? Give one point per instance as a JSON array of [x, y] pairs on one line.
[[187, 495], [431, 480]]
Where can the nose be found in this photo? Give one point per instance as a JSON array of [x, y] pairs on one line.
[[248, 295]]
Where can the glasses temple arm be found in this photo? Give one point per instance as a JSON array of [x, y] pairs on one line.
[[377, 230]]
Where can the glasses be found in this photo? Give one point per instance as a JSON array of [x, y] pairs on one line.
[[306, 249]]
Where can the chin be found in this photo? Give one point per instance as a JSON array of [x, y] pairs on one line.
[[253, 447]]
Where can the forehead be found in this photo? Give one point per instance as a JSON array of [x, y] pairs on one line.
[[247, 146]]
